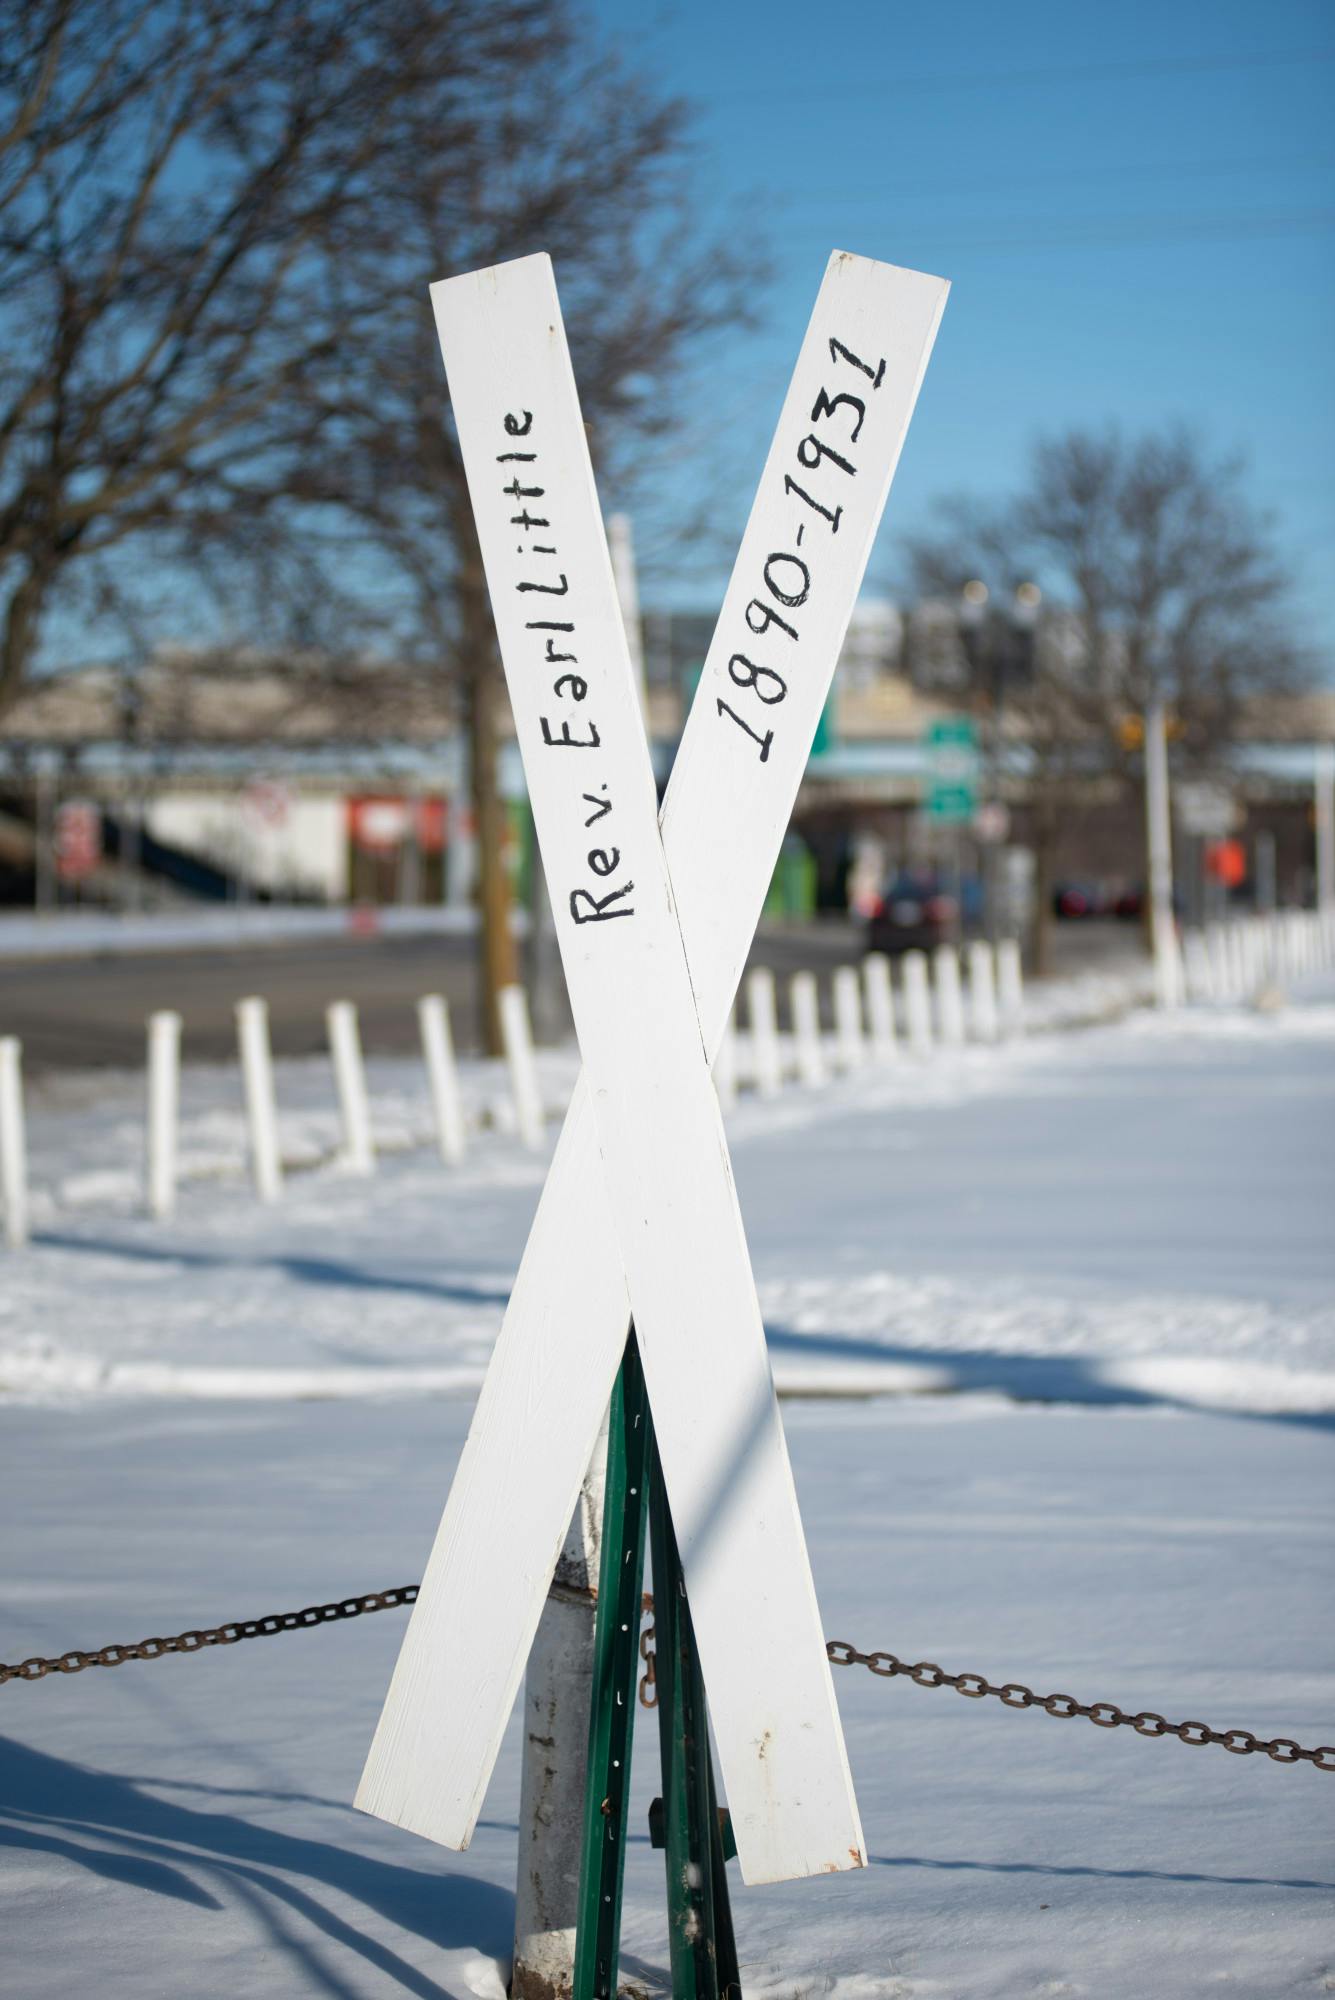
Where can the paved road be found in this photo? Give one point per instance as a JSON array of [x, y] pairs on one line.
[[78, 1013]]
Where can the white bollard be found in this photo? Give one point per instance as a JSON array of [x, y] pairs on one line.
[[766, 1065], [983, 1022], [725, 1068], [345, 1046], [518, 1039], [1010, 987], [850, 1045], [949, 1004], [164, 1095], [804, 1005], [1216, 948], [13, 1146], [252, 1021], [917, 1004], [879, 999], [433, 1020]]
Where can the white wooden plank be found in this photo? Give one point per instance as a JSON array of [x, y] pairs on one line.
[[552, 1368], [667, 1176]]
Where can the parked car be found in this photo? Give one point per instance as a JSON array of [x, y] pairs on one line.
[[1077, 899], [915, 913]]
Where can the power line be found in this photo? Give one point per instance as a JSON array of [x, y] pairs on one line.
[[992, 79]]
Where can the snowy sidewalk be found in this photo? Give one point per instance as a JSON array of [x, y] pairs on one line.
[[184, 1826]]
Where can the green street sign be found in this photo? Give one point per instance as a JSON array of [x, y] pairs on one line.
[[951, 744]]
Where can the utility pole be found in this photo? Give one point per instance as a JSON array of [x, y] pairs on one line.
[[1163, 930]]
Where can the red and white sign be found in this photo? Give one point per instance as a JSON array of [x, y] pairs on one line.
[[78, 839]]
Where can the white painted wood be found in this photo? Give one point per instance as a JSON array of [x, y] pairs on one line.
[[1010, 987], [345, 1047], [983, 1023], [849, 1041], [949, 1001], [252, 1021], [667, 1178], [917, 1004], [804, 1008], [763, 1021], [1158, 818], [164, 1089], [13, 1143], [621, 546], [880, 1000], [447, 1110], [561, 1341], [530, 1119], [725, 1067]]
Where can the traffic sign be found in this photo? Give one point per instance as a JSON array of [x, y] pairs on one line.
[[951, 743]]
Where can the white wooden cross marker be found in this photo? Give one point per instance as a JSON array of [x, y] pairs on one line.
[[605, 1239]]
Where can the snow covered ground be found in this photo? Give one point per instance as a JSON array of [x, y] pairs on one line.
[[1112, 1248]]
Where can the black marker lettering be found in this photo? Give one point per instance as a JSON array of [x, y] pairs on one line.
[[837, 348], [818, 453], [598, 912], [764, 741], [528, 521], [791, 486], [744, 673], [791, 598], [547, 589], [518, 492], [601, 808], [547, 625], [510, 457], [767, 618], [517, 428], [825, 406], [604, 860], [578, 688], [565, 741], [554, 658]]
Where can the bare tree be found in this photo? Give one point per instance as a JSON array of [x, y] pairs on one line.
[[218, 221], [1159, 580]]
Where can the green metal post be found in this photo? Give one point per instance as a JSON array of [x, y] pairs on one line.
[[700, 1935], [616, 1660]]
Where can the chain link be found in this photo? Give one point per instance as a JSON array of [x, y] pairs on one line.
[[230, 1634], [923, 1673], [1103, 1714]]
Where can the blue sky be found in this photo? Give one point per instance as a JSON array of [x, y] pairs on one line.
[[1136, 208]]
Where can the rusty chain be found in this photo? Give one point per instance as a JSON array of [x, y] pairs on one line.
[[1103, 1714], [217, 1635], [925, 1673]]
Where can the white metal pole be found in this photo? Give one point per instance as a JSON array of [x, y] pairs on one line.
[[804, 1005], [982, 992], [917, 1003], [252, 1020], [527, 1092], [766, 1065], [1010, 987], [949, 1002], [1324, 781], [880, 1004], [1163, 931], [13, 1146], [433, 1019], [849, 1041], [164, 1090], [345, 1046]]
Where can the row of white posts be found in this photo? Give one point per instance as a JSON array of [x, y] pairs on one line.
[[252, 1018], [1240, 959], [937, 1006]]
